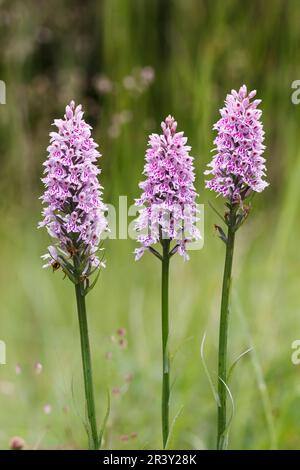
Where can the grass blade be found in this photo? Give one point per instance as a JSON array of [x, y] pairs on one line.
[[212, 385], [104, 421]]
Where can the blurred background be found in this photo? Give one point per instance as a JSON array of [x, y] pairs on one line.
[[130, 63]]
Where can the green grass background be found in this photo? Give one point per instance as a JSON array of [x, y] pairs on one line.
[[54, 51]]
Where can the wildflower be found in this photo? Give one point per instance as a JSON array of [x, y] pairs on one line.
[[74, 211], [121, 332], [74, 217], [38, 368], [129, 82], [17, 443], [123, 343], [47, 409], [147, 75], [103, 84], [168, 216], [168, 198], [238, 167], [238, 170]]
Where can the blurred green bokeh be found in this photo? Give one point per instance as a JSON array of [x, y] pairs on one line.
[[130, 63]]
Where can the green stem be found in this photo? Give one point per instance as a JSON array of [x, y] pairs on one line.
[[223, 333], [165, 338], [87, 367]]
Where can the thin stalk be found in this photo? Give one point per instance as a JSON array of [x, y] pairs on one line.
[[223, 333], [165, 339], [87, 367]]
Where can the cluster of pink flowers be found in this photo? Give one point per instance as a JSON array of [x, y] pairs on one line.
[[238, 167], [168, 200], [74, 211]]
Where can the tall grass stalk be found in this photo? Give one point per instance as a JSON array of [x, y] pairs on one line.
[[87, 367], [165, 339], [223, 332]]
